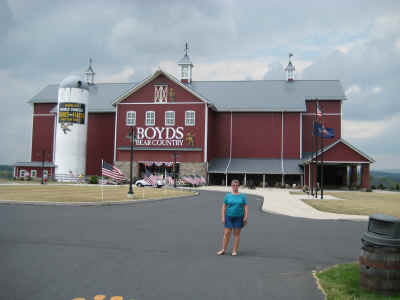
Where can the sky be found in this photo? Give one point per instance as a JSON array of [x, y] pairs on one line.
[[356, 42]]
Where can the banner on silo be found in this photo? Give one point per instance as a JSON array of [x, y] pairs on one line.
[[73, 113]]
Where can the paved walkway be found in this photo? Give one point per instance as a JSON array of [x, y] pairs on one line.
[[280, 201]]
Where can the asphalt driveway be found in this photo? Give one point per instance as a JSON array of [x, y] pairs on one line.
[[165, 250]]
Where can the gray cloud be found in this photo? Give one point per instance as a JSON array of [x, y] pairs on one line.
[[44, 41]]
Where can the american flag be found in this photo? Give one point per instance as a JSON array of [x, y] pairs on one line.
[[112, 172], [319, 112], [150, 178]]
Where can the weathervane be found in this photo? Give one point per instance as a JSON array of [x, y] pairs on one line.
[[186, 48]]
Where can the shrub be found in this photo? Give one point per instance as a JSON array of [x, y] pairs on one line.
[[381, 186], [373, 187], [397, 187], [94, 180]]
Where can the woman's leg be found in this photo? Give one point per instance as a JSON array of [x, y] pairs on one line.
[[225, 240], [236, 240]]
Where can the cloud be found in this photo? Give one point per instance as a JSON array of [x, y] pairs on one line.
[[43, 41]]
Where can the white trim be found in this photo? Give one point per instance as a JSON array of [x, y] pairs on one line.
[[230, 154], [35, 172], [282, 168], [206, 133], [22, 171], [115, 134], [258, 110], [328, 114], [158, 103], [154, 118], [166, 118], [341, 162], [370, 159], [301, 135], [152, 77], [44, 115]]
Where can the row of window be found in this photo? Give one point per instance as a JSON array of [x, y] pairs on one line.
[[169, 118], [23, 173]]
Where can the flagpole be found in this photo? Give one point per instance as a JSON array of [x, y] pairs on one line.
[[102, 181], [316, 154], [312, 154], [322, 155]]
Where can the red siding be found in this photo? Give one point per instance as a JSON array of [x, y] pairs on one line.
[[256, 135], [220, 141], [211, 153], [291, 143], [100, 141], [342, 152], [42, 137], [43, 108], [146, 95]]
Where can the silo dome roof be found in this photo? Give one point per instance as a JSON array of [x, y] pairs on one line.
[[74, 81]]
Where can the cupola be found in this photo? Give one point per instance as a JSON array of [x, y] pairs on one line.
[[89, 74], [290, 69], [185, 67]]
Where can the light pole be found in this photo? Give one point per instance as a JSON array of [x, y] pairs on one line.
[[175, 155], [131, 136]]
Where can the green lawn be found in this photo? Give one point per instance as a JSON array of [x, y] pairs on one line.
[[341, 282], [359, 203]]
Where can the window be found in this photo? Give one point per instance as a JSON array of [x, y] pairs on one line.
[[160, 93], [131, 118], [33, 173], [150, 118], [169, 118], [22, 173], [185, 72], [45, 173], [190, 118]]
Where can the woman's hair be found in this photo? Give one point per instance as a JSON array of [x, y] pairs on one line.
[[235, 181]]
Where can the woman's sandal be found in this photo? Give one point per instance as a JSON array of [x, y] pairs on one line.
[[234, 253], [221, 252]]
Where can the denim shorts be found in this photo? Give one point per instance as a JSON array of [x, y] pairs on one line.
[[233, 222]]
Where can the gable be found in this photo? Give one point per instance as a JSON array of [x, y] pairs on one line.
[[160, 88], [340, 152]]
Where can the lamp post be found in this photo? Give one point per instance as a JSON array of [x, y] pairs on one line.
[[131, 136], [175, 155]]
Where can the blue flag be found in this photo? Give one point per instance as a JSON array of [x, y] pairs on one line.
[[321, 130]]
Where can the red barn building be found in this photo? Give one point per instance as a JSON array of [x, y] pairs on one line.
[[258, 130]]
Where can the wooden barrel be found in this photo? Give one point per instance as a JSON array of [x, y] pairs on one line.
[[380, 269]]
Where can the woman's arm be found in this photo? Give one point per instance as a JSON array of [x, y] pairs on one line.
[[246, 212], [223, 213]]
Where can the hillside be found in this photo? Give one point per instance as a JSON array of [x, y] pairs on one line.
[[389, 179]]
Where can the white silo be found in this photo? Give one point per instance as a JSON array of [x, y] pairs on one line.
[[71, 128]]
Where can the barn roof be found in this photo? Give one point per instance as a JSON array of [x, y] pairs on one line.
[[255, 166], [267, 95], [251, 95]]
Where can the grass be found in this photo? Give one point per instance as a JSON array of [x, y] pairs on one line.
[[342, 282], [359, 203], [83, 193]]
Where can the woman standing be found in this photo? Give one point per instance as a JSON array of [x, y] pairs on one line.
[[234, 213]]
